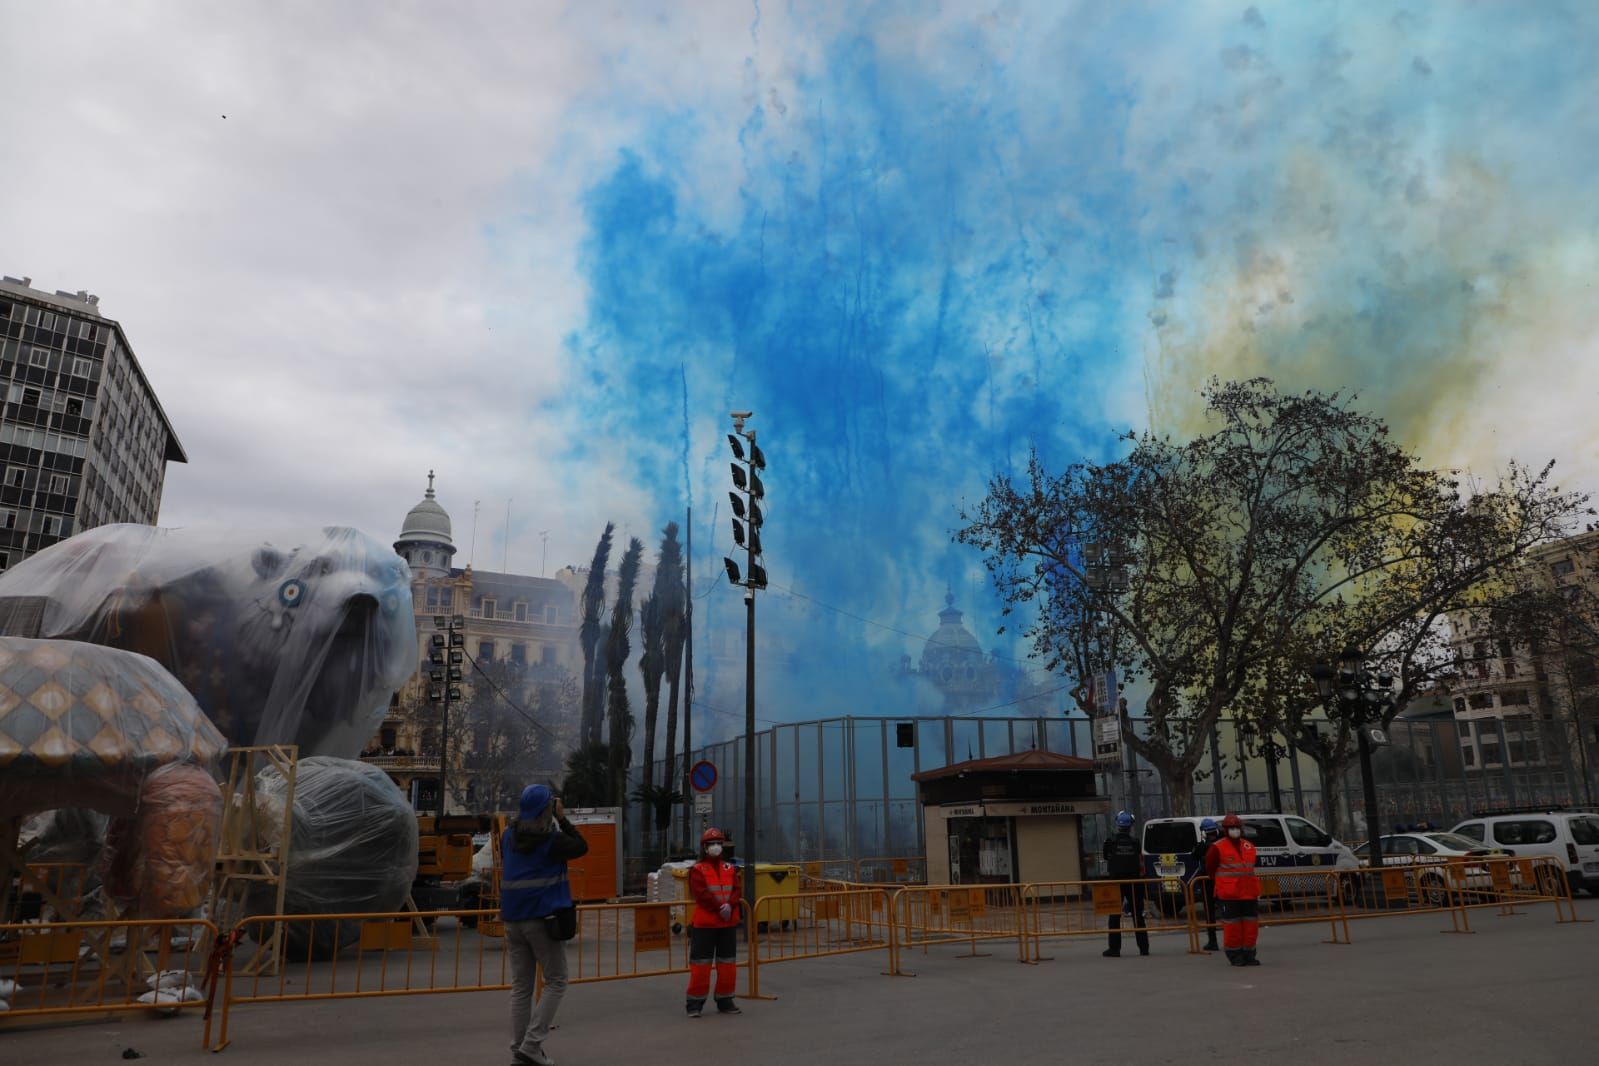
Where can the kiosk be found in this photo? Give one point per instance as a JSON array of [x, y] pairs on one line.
[[1012, 818]]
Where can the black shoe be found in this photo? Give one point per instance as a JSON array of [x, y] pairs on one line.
[[1234, 957], [1144, 952], [696, 1009], [727, 1006], [1249, 958], [1212, 946], [1111, 954]]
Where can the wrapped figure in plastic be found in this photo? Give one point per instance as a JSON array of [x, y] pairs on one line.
[[292, 640]]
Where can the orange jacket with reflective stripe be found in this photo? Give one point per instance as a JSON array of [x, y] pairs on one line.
[[713, 882], [1232, 866]]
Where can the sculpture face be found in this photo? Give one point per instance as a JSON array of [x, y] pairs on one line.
[[300, 639]]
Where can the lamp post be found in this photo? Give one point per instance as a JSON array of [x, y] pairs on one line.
[[1361, 698], [747, 519], [444, 677], [1270, 751]]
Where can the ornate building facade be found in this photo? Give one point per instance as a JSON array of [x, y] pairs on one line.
[[516, 716]]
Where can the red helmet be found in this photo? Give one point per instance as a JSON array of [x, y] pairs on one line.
[[1232, 821], [712, 835]]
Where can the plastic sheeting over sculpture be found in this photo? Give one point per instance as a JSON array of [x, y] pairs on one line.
[[352, 848], [161, 859], [83, 726], [298, 639]]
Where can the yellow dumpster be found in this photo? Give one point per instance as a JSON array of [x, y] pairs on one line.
[[772, 881]]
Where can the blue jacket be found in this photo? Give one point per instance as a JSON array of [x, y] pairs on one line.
[[533, 865]]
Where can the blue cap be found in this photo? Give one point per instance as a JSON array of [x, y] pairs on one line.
[[534, 799], [1123, 820], [1209, 825]]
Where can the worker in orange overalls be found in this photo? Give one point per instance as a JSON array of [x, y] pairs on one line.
[[1230, 862], [713, 927]]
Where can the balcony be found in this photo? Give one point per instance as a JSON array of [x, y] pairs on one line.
[[411, 764]]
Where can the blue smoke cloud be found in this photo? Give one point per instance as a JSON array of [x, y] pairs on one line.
[[935, 241]]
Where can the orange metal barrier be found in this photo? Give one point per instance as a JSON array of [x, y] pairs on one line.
[[820, 924], [925, 915], [351, 956], [891, 871], [54, 969], [1060, 909]]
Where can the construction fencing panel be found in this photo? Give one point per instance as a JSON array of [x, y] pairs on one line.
[[62, 968], [812, 925]]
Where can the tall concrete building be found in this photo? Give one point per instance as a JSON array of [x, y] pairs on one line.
[[83, 439]]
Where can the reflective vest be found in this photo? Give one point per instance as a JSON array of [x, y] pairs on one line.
[[721, 882], [1235, 869], [532, 885]]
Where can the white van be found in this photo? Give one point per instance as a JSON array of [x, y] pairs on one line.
[[1570, 836], [1283, 843]]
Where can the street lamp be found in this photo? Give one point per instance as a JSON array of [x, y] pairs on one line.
[[1266, 745], [1362, 698]]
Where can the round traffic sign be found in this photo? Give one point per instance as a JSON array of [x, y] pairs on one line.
[[703, 776]]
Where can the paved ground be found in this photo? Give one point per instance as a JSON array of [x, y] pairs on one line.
[[1521, 990]]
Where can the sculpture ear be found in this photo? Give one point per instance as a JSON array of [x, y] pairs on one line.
[[267, 561]]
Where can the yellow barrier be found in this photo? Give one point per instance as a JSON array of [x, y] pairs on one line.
[[95, 967], [891, 871], [1063, 909], [925, 915], [826, 923]]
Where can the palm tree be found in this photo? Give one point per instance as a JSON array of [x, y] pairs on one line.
[[588, 634], [672, 604], [587, 781], [620, 732]]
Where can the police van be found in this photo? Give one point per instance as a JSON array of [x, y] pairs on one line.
[[1283, 843]]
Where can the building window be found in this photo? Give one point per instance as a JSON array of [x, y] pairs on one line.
[[520, 612], [1460, 703], [433, 597], [427, 558], [86, 330], [30, 397], [58, 483], [82, 368], [446, 598], [74, 407], [547, 655], [10, 519], [1469, 754], [552, 614], [485, 651], [49, 527], [1562, 567], [519, 654], [488, 608], [1481, 701], [47, 321], [1514, 697], [39, 357], [16, 476]]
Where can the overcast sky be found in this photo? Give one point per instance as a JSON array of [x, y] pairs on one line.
[[534, 246]]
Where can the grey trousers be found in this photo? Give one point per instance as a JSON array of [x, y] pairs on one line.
[[532, 949]]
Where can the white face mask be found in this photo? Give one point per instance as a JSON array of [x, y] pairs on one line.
[[1235, 833], [713, 850]]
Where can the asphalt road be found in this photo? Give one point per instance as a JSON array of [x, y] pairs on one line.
[[1519, 990]]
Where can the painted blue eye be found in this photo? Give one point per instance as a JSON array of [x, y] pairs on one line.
[[291, 593]]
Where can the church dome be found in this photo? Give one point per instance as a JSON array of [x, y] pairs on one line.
[[951, 654], [427, 521]]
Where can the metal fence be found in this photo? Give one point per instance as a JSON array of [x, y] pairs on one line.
[[841, 788]]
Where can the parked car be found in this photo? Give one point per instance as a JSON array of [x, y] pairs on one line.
[[1435, 849], [1569, 836], [1283, 843]]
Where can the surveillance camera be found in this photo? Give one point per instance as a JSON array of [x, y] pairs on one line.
[[741, 415]]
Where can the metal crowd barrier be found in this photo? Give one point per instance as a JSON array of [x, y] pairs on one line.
[[927, 915], [891, 871], [813, 925], [42, 890], [56, 969], [1063, 909]]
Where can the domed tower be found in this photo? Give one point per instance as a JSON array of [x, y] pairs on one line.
[[953, 661], [425, 538]]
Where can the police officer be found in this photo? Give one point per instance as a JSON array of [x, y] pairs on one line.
[[1124, 862], [1209, 832]]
